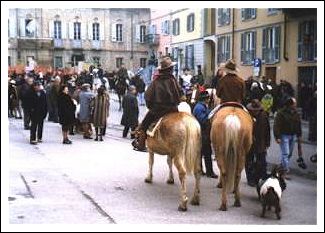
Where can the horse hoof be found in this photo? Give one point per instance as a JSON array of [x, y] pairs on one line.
[[237, 203], [195, 201], [148, 181], [219, 186], [182, 208], [170, 181], [223, 208]]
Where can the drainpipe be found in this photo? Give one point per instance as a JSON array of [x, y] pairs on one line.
[[233, 34], [285, 55]]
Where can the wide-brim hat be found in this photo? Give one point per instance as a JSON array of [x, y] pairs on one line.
[[255, 105], [166, 63], [229, 67]]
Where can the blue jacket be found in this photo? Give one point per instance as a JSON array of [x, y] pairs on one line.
[[201, 113]]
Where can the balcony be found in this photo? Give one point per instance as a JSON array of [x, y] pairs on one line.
[[95, 44], [76, 44], [152, 39], [58, 43]]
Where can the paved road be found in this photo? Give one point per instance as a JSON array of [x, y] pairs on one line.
[[103, 182]]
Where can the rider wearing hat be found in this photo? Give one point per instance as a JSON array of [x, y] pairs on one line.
[[162, 97], [231, 88]]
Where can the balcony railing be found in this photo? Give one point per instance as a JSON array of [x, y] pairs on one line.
[[76, 44], [95, 44], [152, 39], [58, 43]]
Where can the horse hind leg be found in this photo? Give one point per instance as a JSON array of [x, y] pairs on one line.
[[196, 196], [223, 206], [182, 178], [148, 179], [240, 167], [170, 179]]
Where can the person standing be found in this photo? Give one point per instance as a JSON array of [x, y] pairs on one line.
[[201, 113], [130, 112], [140, 87], [53, 99], [255, 165], [26, 92], [287, 127], [66, 112], [100, 106], [38, 110], [85, 98]]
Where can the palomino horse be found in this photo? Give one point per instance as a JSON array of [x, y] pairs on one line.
[[179, 137], [231, 137]]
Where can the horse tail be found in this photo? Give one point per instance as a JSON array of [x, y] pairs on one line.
[[232, 124], [192, 145]]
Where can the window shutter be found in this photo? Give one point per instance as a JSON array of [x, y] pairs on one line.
[[174, 27], [90, 31], [228, 16], [64, 30], [242, 44], [83, 29], [254, 46], [178, 26], [122, 38], [101, 31], [51, 28], [193, 22], [137, 33], [71, 30], [113, 32], [300, 42], [228, 48], [243, 14], [188, 23], [12, 28], [167, 27], [22, 28], [192, 57], [219, 16], [277, 43], [253, 13]]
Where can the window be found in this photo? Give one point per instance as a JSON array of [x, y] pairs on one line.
[[223, 16], [174, 53], [119, 61], [95, 31], [96, 61], [57, 30], [165, 27], [76, 31], [58, 62], [272, 11], [153, 29], [190, 22], [9, 61], [307, 41], [189, 57], [143, 62], [248, 13], [248, 47], [176, 27], [30, 27], [271, 45], [223, 52], [142, 33], [119, 32]]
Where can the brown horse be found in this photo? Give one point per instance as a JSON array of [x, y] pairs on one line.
[[231, 137], [179, 137]]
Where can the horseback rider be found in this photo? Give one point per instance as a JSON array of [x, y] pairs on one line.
[[162, 97], [231, 87]]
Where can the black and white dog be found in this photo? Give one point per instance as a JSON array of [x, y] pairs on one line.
[[270, 191]]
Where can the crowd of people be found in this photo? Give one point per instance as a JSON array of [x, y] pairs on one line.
[[80, 103]]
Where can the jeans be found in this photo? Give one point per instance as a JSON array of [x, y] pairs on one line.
[[287, 145]]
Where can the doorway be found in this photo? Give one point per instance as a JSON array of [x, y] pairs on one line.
[[270, 73]]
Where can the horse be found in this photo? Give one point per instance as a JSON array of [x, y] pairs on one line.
[[231, 137], [178, 136]]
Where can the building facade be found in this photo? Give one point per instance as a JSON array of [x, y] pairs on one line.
[[66, 37]]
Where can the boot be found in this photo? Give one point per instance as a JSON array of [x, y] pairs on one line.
[[139, 143], [209, 168]]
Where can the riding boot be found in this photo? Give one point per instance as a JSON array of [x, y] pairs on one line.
[[96, 129], [140, 142], [208, 167]]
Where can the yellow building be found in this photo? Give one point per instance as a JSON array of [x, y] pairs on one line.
[[187, 43], [284, 39]]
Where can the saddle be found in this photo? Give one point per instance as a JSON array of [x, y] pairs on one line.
[[227, 104], [153, 128]]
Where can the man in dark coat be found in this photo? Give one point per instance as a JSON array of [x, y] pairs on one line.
[[130, 112], [231, 88], [255, 166], [162, 97], [38, 110], [25, 97]]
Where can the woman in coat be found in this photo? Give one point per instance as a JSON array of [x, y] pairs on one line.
[[66, 111], [100, 107], [130, 112], [85, 98]]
